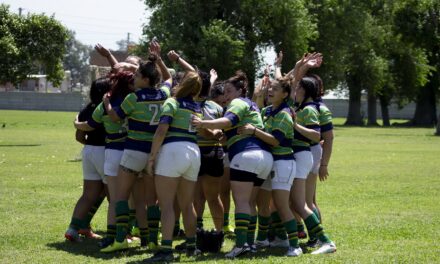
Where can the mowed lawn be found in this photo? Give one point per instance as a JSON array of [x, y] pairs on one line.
[[381, 203]]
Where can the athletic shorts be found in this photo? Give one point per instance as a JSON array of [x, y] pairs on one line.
[[281, 176], [179, 159], [93, 163], [112, 161], [304, 163], [211, 166], [317, 155], [134, 160], [254, 162]]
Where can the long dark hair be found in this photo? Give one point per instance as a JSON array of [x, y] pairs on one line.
[[148, 69], [310, 87], [99, 87], [239, 81]]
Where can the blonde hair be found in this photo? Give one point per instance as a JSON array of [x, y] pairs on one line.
[[190, 85]]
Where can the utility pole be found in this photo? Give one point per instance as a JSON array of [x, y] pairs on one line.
[[20, 10], [128, 40]]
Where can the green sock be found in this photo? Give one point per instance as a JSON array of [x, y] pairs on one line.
[[312, 236], [199, 222], [225, 219], [241, 228], [132, 219], [166, 245], [92, 212], [263, 227], [315, 228], [153, 214], [280, 232], [111, 231], [122, 215], [76, 223], [191, 243], [251, 230], [292, 232], [143, 232]]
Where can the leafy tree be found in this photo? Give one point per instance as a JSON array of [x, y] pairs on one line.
[[76, 59], [229, 35], [30, 44]]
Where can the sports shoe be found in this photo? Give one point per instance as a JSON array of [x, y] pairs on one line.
[[302, 234], [152, 246], [105, 242], [262, 243], [116, 246], [181, 246], [72, 235], [228, 230], [193, 252], [253, 248], [294, 252], [161, 256], [178, 233], [237, 251], [88, 233], [325, 249], [277, 242], [313, 243]]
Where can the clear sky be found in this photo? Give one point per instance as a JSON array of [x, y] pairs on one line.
[[97, 21], [94, 21]]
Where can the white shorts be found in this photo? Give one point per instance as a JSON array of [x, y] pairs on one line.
[[179, 159], [226, 160], [282, 175], [112, 161], [134, 160], [304, 163], [256, 161], [317, 154], [93, 163]]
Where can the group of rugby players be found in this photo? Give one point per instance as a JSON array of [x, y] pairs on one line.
[[159, 144]]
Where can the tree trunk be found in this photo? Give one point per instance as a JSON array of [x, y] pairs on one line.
[[437, 133], [426, 112], [384, 102], [354, 117], [372, 111]]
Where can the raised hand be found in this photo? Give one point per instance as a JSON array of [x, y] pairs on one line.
[[279, 59], [173, 56], [102, 50], [213, 76]]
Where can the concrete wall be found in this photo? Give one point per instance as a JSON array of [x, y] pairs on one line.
[[41, 101], [75, 101]]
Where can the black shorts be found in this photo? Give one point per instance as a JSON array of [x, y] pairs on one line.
[[245, 176], [211, 166]]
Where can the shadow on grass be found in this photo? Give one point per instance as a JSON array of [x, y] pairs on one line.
[[90, 248]]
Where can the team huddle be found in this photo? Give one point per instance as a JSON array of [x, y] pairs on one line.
[[159, 144]]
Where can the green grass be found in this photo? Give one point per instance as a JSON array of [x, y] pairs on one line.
[[380, 204]]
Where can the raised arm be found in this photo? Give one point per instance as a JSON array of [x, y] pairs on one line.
[[277, 64], [106, 53], [175, 57], [155, 50]]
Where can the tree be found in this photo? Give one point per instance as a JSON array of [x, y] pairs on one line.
[[419, 24], [31, 44], [76, 59], [238, 29]]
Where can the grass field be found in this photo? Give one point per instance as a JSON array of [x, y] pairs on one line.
[[381, 203]]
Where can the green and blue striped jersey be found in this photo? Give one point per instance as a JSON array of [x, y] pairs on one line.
[[307, 115], [142, 110], [279, 123], [178, 114]]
